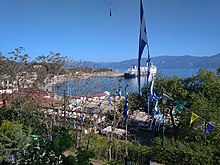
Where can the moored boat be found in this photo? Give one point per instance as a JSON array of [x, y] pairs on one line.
[[133, 71]]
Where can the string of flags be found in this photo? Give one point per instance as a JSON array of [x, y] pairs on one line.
[[158, 119], [180, 106], [209, 127]]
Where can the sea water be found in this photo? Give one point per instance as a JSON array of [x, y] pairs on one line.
[[94, 85]]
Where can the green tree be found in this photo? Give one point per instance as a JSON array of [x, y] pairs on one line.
[[50, 149], [12, 140], [53, 62], [136, 102], [83, 156], [6, 71], [218, 70], [191, 146]]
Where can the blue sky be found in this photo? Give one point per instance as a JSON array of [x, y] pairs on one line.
[[83, 30]]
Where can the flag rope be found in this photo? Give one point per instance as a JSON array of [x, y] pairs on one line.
[[192, 112]]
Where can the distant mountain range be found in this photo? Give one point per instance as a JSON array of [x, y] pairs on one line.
[[186, 61]]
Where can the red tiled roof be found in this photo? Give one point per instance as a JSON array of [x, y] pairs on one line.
[[96, 95], [74, 97], [31, 95], [34, 91]]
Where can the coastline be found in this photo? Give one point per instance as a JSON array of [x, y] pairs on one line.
[[50, 83]]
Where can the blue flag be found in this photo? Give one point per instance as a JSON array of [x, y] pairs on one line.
[[156, 96], [126, 107], [142, 41], [209, 128], [100, 106], [57, 133], [156, 108], [91, 112], [12, 158], [24, 152], [152, 88], [67, 126], [160, 121], [148, 105], [118, 92], [82, 117], [109, 100], [110, 10], [74, 124], [50, 138]]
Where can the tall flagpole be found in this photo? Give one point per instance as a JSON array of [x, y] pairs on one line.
[[142, 42], [148, 74]]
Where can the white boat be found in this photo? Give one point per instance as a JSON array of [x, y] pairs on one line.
[[133, 71]]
